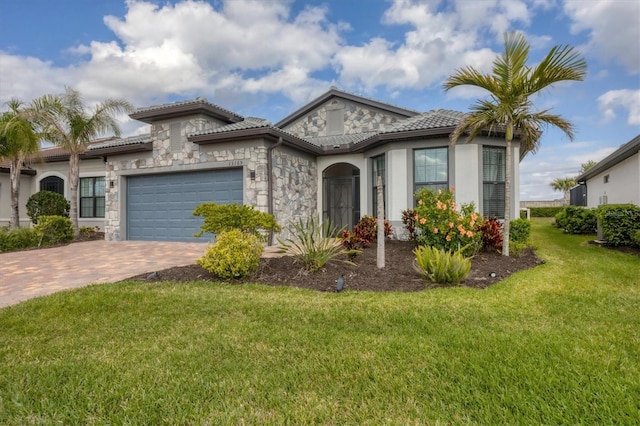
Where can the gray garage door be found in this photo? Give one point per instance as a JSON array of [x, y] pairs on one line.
[[160, 207]]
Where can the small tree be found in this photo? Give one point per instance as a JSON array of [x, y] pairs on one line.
[[564, 185], [47, 203]]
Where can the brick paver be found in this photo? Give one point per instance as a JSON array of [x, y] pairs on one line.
[[33, 273]]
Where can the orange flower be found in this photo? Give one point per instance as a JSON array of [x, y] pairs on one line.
[[416, 217], [473, 222], [474, 217], [469, 234], [452, 189], [423, 221], [462, 232], [420, 202], [448, 237], [435, 230], [460, 228], [450, 224]]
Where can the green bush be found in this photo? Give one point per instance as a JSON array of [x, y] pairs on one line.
[[17, 239], [440, 266], [47, 203], [313, 244], [619, 222], [545, 211], [636, 238], [236, 254], [519, 231], [440, 224], [54, 230], [576, 220], [219, 218]]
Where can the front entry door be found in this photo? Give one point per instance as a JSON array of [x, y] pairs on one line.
[[342, 199]]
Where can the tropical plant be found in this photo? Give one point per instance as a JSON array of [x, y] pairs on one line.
[[219, 218], [564, 184], [409, 222], [47, 203], [442, 225], [491, 231], [511, 84], [18, 140], [585, 167], [235, 254], [67, 122], [313, 244], [54, 230], [441, 266]]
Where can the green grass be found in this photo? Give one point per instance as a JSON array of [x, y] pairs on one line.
[[559, 344]]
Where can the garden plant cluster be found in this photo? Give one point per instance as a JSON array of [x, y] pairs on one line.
[[446, 235]]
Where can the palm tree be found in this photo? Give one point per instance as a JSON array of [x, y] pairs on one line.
[[564, 185], [68, 123], [509, 108], [18, 140]]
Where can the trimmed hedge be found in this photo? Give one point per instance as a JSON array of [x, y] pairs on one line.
[[619, 223], [545, 211], [577, 220], [47, 203]]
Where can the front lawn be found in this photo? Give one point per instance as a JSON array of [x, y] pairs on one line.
[[557, 344]]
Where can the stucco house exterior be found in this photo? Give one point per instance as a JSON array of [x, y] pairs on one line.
[[615, 179], [322, 159]]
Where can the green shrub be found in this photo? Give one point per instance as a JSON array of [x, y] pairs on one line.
[[636, 238], [545, 211], [47, 203], [219, 218], [619, 222], [576, 220], [54, 230], [441, 266], [313, 244], [235, 254], [17, 239], [519, 231], [441, 225]]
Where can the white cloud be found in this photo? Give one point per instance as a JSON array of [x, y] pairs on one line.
[[612, 26], [624, 99]]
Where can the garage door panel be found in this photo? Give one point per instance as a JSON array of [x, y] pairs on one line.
[[160, 207]]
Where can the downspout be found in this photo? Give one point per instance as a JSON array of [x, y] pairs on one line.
[[270, 182]]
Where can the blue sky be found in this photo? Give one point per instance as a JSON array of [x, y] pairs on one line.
[[266, 58]]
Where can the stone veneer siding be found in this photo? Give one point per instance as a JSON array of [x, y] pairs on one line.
[[357, 118], [294, 184]]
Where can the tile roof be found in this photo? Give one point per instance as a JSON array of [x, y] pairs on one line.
[[199, 103], [247, 123], [131, 140], [429, 120], [351, 138]]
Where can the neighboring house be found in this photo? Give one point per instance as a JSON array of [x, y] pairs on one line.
[[50, 171], [614, 180], [323, 159]]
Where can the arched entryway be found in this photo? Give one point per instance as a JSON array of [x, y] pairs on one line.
[[53, 184], [341, 195]]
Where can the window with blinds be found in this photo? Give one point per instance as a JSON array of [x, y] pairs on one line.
[[493, 181]]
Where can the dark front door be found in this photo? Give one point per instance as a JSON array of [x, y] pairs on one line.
[[342, 196]]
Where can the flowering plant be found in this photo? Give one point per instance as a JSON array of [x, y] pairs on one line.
[[441, 224]]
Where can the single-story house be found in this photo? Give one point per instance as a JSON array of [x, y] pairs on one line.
[[323, 159], [615, 179]]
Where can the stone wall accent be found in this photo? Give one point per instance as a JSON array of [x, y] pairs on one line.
[[357, 118], [295, 175], [295, 188]]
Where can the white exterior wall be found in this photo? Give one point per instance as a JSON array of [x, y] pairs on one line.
[[5, 198], [623, 186], [467, 174], [398, 178]]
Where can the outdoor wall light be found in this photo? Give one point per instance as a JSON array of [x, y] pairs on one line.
[[111, 184]]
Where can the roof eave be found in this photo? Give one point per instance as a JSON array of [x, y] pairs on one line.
[[123, 149], [152, 115], [266, 132], [26, 172], [627, 150]]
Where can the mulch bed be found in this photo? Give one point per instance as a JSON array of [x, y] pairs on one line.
[[398, 274]]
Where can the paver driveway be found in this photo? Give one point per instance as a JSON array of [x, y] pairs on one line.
[[32, 273]]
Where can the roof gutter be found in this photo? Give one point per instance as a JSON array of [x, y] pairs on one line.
[[270, 181]]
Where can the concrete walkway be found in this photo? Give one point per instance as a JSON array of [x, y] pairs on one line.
[[32, 273]]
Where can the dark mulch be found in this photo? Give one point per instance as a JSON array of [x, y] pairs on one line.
[[398, 274]]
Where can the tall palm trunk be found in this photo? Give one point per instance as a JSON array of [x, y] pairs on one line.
[[74, 173], [14, 172], [507, 191]]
